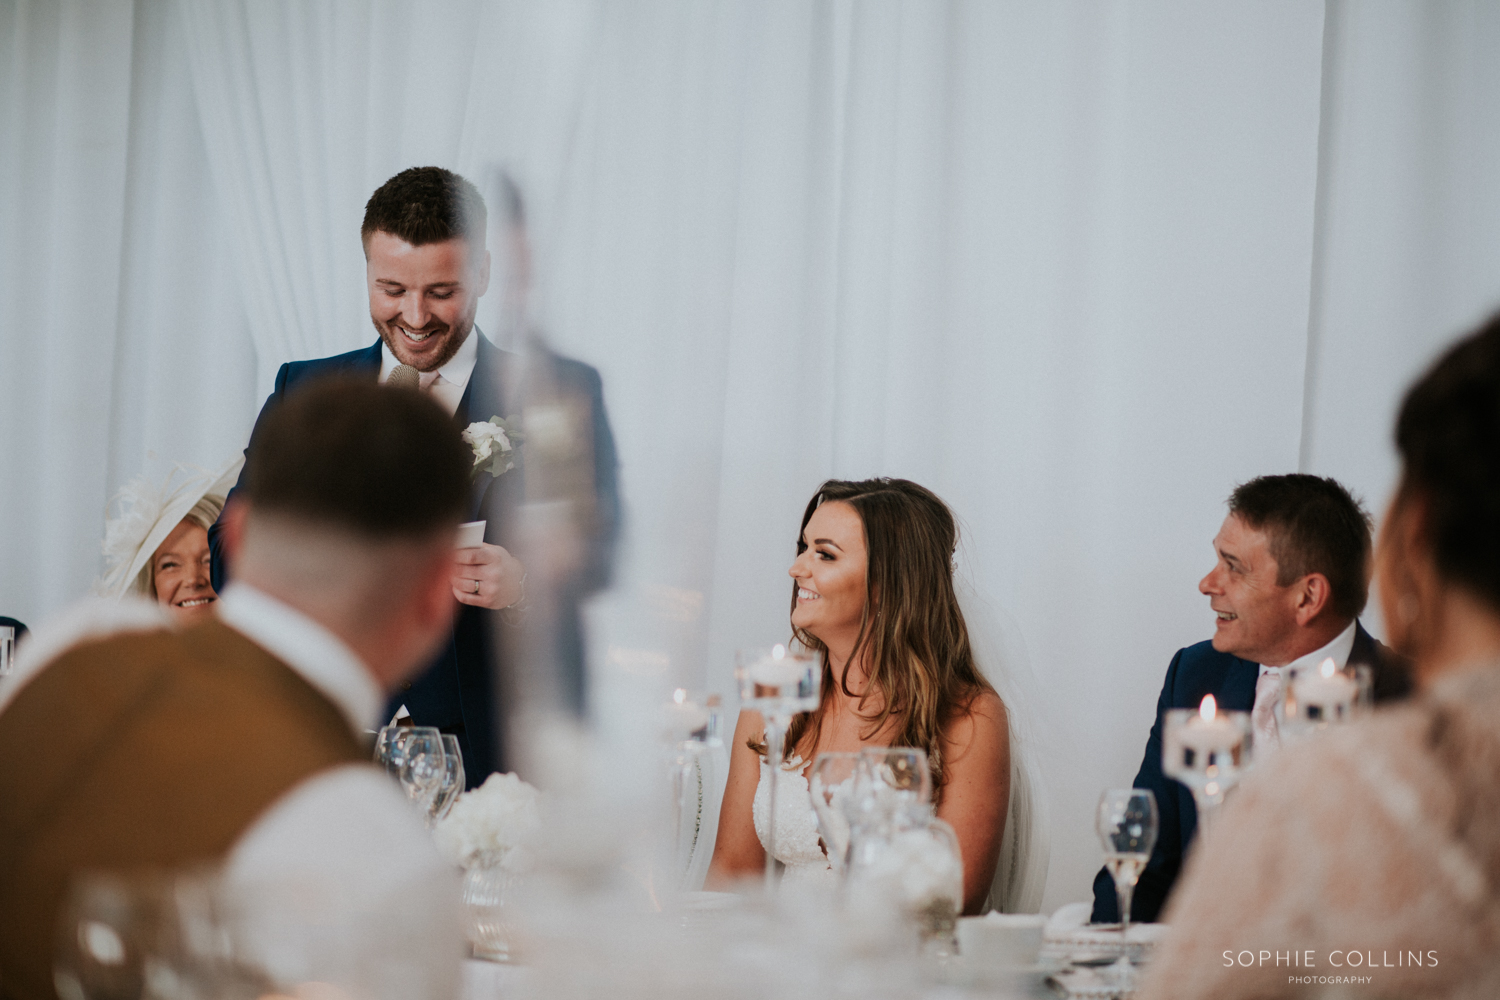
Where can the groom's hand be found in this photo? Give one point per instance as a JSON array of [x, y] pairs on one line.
[[487, 576]]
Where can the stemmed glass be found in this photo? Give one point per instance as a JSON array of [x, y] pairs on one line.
[[1127, 825], [901, 780], [779, 683], [830, 782], [451, 784], [422, 766], [106, 935]]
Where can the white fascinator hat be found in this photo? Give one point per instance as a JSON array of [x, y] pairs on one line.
[[141, 516]]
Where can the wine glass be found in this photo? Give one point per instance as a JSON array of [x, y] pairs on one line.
[[1127, 824], [451, 784], [830, 782], [902, 781], [779, 683], [107, 929], [422, 765]]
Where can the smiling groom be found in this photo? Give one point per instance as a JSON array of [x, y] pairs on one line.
[[426, 268], [1291, 577]]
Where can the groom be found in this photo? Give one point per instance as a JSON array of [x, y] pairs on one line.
[[1290, 581], [426, 268]]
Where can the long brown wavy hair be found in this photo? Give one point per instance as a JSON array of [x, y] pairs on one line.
[[912, 635]]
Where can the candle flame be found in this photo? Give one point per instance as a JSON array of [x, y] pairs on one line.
[[1208, 709], [680, 695], [1327, 669]]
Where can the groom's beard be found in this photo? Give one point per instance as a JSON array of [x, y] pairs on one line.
[[434, 352]]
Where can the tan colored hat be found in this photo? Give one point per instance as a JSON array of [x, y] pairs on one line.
[[145, 515]]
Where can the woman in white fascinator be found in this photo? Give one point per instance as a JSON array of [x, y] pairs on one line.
[[156, 539]]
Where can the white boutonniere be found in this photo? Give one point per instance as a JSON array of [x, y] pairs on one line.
[[494, 442]]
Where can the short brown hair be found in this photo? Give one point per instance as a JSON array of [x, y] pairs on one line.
[[1313, 525], [424, 205], [385, 463]]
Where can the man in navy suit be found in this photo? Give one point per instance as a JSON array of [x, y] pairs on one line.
[[426, 268], [1291, 579]]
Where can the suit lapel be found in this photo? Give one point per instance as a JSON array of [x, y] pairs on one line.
[[483, 398]]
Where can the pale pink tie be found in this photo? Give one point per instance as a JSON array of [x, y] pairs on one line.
[[1263, 715], [425, 379]]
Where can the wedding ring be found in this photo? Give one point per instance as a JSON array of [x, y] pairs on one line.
[[476, 586]]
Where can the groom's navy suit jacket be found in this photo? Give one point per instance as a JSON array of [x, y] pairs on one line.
[[1196, 671], [458, 692]]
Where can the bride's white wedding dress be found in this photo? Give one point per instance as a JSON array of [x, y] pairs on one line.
[[797, 845]]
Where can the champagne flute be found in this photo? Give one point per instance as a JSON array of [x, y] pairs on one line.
[[1127, 823], [779, 683], [830, 782]]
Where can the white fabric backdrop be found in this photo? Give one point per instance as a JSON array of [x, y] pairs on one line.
[[1078, 267]]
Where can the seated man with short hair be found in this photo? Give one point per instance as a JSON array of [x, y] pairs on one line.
[[1291, 579], [237, 741]]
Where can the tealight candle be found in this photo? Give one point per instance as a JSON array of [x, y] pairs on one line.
[[1324, 695], [682, 717]]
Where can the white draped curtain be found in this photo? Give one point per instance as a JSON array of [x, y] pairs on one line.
[[1078, 267]]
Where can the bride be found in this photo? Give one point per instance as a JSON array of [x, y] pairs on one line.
[[874, 594]]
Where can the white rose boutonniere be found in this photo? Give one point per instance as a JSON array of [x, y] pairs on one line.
[[494, 442]]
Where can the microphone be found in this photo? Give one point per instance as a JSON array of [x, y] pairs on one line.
[[403, 377]]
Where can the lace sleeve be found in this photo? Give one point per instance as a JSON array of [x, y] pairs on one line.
[[1331, 861]]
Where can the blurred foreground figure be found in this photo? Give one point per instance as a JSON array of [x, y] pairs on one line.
[[426, 268], [236, 740], [570, 520], [1291, 579], [1374, 850]]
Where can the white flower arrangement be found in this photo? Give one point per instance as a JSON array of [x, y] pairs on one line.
[[494, 442], [490, 822]]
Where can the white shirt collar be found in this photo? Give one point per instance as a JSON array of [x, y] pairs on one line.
[[1338, 650], [316, 654], [456, 372]]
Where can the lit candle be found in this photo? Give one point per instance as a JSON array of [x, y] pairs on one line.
[[1207, 732], [1324, 695], [682, 718]]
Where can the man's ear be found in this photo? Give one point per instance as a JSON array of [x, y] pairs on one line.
[[433, 604], [232, 528], [482, 277], [1314, 593]]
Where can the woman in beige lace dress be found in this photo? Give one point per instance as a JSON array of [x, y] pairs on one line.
[[1367, 862]]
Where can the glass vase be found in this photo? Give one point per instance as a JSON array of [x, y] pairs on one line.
[[488, 898]]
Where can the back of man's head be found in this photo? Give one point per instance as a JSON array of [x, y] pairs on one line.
[[383, 463], [423, 205], [1312, 525], [351, 501]]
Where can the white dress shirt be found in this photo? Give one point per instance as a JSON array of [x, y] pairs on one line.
[[448, 383], [340, 876]]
